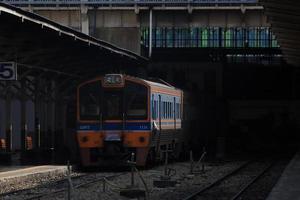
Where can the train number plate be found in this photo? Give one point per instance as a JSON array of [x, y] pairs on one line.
[[112, 137]]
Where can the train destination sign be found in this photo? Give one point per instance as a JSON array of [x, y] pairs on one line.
[[8, 71]]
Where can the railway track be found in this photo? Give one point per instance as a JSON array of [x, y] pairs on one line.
[[59, 186], [234, 184]]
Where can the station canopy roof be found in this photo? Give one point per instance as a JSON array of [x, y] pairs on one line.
[[284, 17], [34, 42]]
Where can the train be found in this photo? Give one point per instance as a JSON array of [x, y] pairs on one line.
[[120, 115]]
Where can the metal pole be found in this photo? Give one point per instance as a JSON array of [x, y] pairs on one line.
[[25, 137], [39, 135], [104, 185], [132, 170], [191, 162], [8, 135], [70, 187], [166, 163], [150, 33], [11, 137]]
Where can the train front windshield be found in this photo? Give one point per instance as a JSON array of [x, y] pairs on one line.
[[112, 103]]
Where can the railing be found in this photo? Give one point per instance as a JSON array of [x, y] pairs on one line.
[[210, 37], [131, 2]]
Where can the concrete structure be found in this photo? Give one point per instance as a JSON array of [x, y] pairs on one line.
[[121, 23], [288, 185], [285, 24]]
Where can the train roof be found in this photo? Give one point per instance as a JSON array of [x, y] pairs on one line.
[[152, 83], [159, 83]]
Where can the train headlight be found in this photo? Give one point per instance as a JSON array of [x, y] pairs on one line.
[[142, 139], [84, 139]]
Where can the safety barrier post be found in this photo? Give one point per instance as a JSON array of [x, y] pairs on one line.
[[165, 180], [132, 191], [191, 162], [70, 184]]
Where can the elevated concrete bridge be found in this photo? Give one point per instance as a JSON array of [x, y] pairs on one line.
[[123, 22]]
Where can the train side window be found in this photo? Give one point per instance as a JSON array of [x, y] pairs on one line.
[[172, 110], [175, 110], [157, 109], [169, 110], [162, 110], [165, 110], [154, 109], [179, 109], [152, 106]]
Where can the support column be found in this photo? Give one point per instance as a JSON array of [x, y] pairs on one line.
[[150, 33], [23, 118], [60, 144], [37, 114], [8, 136], [51, 120], [221, 113], [84, 19], [23, 125]]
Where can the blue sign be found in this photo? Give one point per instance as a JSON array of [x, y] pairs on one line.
[[8, 71]]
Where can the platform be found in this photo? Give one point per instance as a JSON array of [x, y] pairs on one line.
[[12, 172], [288, 186]]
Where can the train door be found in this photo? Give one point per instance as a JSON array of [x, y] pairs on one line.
[[159, 112], [159, 127]]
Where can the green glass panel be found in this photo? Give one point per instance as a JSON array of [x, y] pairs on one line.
[[204, 37]]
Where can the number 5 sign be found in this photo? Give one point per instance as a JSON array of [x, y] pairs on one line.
[[8, 71]]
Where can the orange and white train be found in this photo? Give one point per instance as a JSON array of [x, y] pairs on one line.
[[118, 115]]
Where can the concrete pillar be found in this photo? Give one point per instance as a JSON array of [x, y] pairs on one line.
[[150, 33], [2, 118], [51, 119], [16, 124], [221, 114], [84, 19], [23, 119], [219, 80], [9, 127], [37, 114]]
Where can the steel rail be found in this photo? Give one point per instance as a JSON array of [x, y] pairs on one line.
[[235, 197], [195, 194]]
